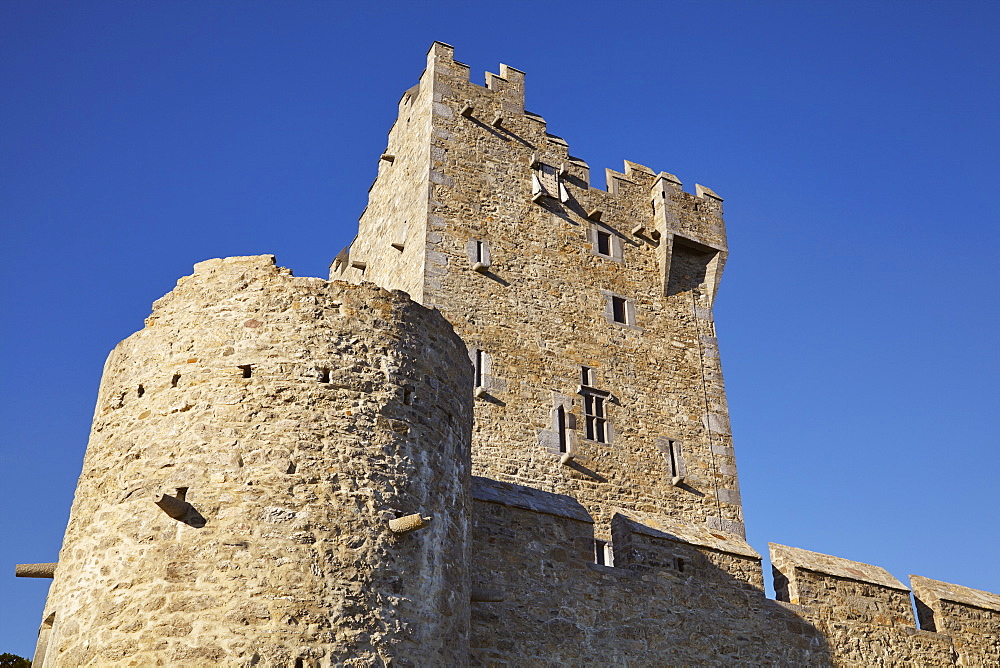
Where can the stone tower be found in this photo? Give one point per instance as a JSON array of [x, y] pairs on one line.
[[587, 312], [283, 425]]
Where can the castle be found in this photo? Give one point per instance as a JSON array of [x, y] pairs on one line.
[[497, 436]]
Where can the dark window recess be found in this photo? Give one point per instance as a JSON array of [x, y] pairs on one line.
[[618, 310], [602, 553], [140, 390], [407, 397], [594, 416], [480, 359], [604, 243], [480, 255], [247, 370], [674, 467], [176, 379], [561, 425], [680, 565], [586, 376], [298, 663], [324, 375]]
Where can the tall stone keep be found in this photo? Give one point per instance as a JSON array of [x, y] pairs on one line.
[[587, 312], [291, 431]]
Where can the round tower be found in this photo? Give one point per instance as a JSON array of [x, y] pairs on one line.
[[277, 475]]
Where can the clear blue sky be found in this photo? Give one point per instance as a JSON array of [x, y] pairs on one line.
[[856, 145]]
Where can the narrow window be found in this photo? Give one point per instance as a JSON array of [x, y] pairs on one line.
[[408, 396], [673, 456], [603, 242], [246, 368], [561, 424], [680, 565], [619, 312], [596, 422], [324, 375], [603, 554], [586, 376], [140, 390], [479, 367], [176, 379], [479, 254]]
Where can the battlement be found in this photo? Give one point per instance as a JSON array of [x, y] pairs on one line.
[[536, 551], [500, 105]]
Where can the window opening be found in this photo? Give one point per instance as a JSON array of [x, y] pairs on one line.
[[176, 379], [480, 255], [604, 243], [407, 396], [480, 354], [561, 423], [586, 376], [324, 375], [680, 565], [247, 370], [619, 312], [140, 390], [596, 422], [603, 554]]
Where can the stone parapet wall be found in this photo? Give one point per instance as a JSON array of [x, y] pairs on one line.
[[286, 421], [665, 601], [679, 594]]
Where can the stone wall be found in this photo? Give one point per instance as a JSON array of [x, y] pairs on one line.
[[674, 604], [290, 420], [866, 614], [681, 594], [389, 247]]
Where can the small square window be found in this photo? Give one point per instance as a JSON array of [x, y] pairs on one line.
[[605, 242], [620, 310]]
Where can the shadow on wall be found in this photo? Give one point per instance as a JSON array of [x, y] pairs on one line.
[[665, 601]]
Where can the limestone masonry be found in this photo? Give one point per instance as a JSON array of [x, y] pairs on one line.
[[497, 436]]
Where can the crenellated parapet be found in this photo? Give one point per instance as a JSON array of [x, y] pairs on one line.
[[971, 617], [538, 555]]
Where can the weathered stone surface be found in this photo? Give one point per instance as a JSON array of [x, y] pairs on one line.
[[544, 308], [296, 417]]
